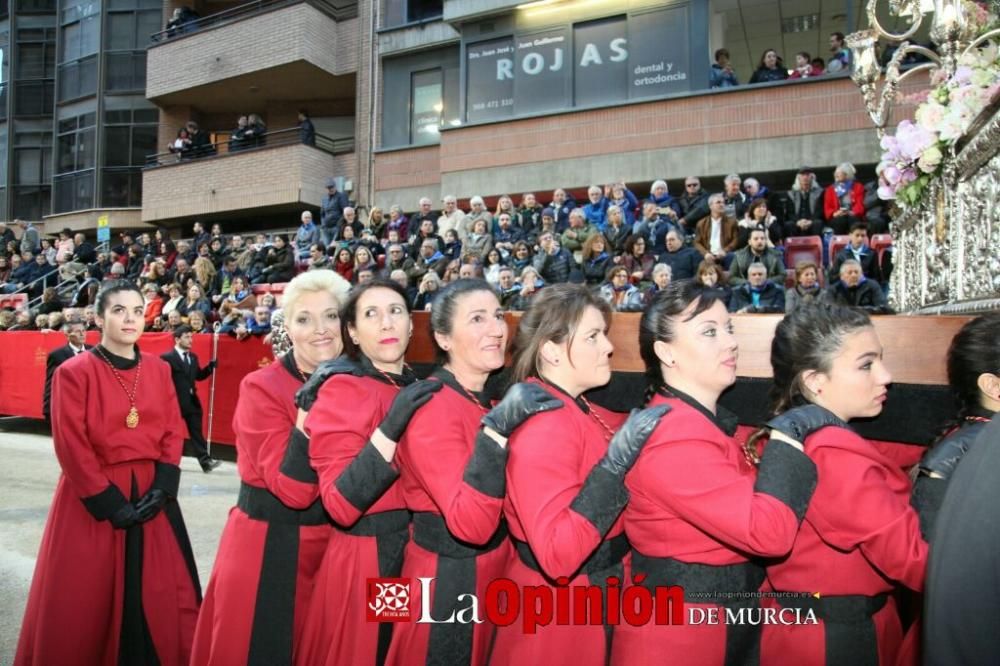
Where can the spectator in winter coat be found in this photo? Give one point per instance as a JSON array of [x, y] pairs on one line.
[[757, 294], [844, 201], [858, 250], [577, 234], [804, 206], [478, 212], [756, 253], [722, 74], [619, 292], [451, 216], [595, 260], [770, 69], [595, 210], [552, 262], [693, 204], [855, 290], [331, 209], [716, 234], [561, 205], [736, 200], [307, 236], [682, 260], [806, 288]]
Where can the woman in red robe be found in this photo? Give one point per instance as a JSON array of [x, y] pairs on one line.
[[452, 476], [566, 474], [700, 509], [358, 409], [860, 537], [275, 537], [115, 582]]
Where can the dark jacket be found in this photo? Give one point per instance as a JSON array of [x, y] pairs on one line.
[[868, 259], [693, 208], [866, 295], [280, 265], [332, 208], [683, 263], [85, 253], [55, 358], [307, 132], [765, 75], [554, 268], [772, 298], [743, 258], [201, 144], [185, 375], [595, 269], [799, 205]]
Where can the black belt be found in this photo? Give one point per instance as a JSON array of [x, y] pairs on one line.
[[847, 622], [430, 532], [608, 554], [379, 524], [261, 504], [712, 584], [709, 583]]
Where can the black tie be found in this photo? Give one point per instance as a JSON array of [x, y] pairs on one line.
[[187, 358]]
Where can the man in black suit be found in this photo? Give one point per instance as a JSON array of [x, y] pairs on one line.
[[76, 332], [185, 371]]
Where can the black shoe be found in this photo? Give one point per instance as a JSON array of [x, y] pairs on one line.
[[208, 464]]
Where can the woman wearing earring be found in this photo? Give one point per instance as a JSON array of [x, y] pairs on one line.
[[566, 474], [452, 463], [700, 508], [357, 410], [275, 537], [860, 537], [115, 581]]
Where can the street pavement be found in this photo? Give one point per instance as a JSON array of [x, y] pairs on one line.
[[28, 476]]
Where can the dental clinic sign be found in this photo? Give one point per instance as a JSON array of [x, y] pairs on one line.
[[594, 63]]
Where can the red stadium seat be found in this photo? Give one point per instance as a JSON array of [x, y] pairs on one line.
[[837, 243], [259, 289], [380, 262], [803, 248], [879, 244], [278, 287], [789, 278], [13, 300]]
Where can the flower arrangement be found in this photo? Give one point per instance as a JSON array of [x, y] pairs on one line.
[[915, 155]]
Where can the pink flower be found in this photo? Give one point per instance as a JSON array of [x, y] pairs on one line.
[[887, 193], [892, 174]]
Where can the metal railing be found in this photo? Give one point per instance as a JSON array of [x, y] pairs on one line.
[[282, 137], [338, 12], [63, 287]]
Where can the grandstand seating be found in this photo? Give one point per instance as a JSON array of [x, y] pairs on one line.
[[803, 248]]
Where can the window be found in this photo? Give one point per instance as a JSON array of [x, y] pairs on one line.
[[126, 72], [36, 6], [33, 98], [130, 31], [32, 157], [78, 79], [30, 202], [421, 10], [36, 53], [80, 39], [77, 143], [73, 192], [426, 106], [130, 135]]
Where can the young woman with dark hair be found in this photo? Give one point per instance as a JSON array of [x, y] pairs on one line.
[[860, 538], [974, 377], [115, 581], [358, 408], [452, 461], [274, 539], [701, 510], [566, 473]]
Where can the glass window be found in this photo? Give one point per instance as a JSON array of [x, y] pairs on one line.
[[129, 31], [34, 98], [80, 39], [426, 106], [78, 79], [36, 50], [125, 71], [3, 160], [73, 192], [421, 10], [36, 6], [76, 143], [121, 188], [30, 202]]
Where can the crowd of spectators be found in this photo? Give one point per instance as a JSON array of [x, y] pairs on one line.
[[250, 132], [771, 66], [625, 245]]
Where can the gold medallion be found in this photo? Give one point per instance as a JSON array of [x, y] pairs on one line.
[[132, 420]]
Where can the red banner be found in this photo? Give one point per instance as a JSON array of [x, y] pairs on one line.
[[22, 372]]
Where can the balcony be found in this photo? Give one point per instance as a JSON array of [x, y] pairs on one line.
[[273, 49], [278, 178]]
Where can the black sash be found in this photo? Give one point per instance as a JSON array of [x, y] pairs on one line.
[[848, 624], [391, 530], [456, 575], [706, 583]]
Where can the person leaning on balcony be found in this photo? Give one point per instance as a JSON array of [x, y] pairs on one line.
[[722, 75], [201, 143], [770, 69], [307, 131], [256, 131], [238, 139]]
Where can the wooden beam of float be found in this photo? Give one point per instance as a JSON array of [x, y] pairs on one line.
[[916, 348]]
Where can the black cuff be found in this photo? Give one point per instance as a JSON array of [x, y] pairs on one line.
[[167, 478], [104, 504], [601, 499], [788, 475], [487, 468], [295, 463], [928, 494], [366, 479]]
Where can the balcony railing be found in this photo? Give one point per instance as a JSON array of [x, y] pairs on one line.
[[282, 137], [339, 11]]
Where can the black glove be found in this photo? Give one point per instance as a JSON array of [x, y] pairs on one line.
[[306, 396], [126, 516], [627, 443], [213, 364], [946, 454], [799, 422], [404, 406], [522, 401], [150, 504]]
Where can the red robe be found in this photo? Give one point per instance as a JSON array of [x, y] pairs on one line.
[[436, 456], [347, 411], [78, 594], [551, 455], [239, 610], [860, 536], [693, 499]]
